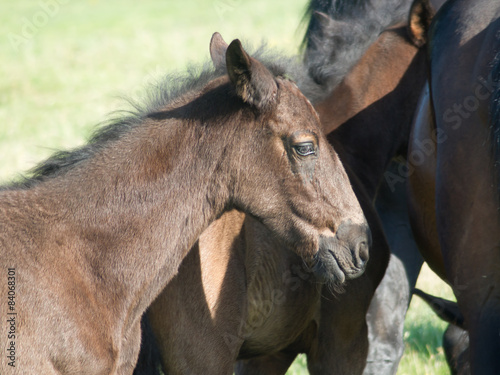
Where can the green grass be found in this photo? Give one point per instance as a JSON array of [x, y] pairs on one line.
[[62, 77], [64, 68], [424, 331], [423, 334]]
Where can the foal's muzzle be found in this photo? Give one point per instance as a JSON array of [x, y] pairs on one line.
[[343, 256]]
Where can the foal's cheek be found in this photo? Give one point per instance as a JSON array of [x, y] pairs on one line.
[[308, 168], [301, 166]]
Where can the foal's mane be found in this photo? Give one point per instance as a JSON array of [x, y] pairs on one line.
[[330, 53], [157, 96]]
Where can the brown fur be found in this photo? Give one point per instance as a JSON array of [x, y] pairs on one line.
[[94, 243], [265, 308]]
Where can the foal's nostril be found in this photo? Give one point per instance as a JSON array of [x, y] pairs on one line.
[[363, 254], [364, 246], [343, 256], [358, 238]]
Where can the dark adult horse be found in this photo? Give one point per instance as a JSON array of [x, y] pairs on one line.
[[455, 184], [94, 236], [389, 305], [277, 310], [375, 105]]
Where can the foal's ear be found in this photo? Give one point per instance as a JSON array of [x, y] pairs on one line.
[[218, 49], [421, 14], [252, 81]]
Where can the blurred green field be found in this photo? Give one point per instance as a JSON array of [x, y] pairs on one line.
[[65, 66]]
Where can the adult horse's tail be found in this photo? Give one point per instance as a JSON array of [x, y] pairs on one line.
[[455, 337], [446, 310]]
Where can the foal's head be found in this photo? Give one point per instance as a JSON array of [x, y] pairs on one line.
[[289, 177]]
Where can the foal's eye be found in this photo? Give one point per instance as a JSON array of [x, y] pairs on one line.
[[305, 149]]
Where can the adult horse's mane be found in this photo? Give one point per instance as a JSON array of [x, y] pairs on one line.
[[332, 48], [156, 96]]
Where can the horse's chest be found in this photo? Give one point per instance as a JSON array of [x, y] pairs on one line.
[[279, 308]]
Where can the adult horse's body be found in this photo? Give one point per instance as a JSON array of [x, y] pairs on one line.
[[91, 239], [455, 186], [375, 105], [277, 310]]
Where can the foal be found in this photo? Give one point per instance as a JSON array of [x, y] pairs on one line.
[[97, 233], [249, 298]]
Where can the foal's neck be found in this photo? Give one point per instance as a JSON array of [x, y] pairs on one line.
[[134, 210]]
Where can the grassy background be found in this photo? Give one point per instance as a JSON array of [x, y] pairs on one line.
[[65, 64]]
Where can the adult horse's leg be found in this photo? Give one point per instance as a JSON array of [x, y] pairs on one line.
[[385, 320], [392, 208], [456, 350], [388, 308]]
